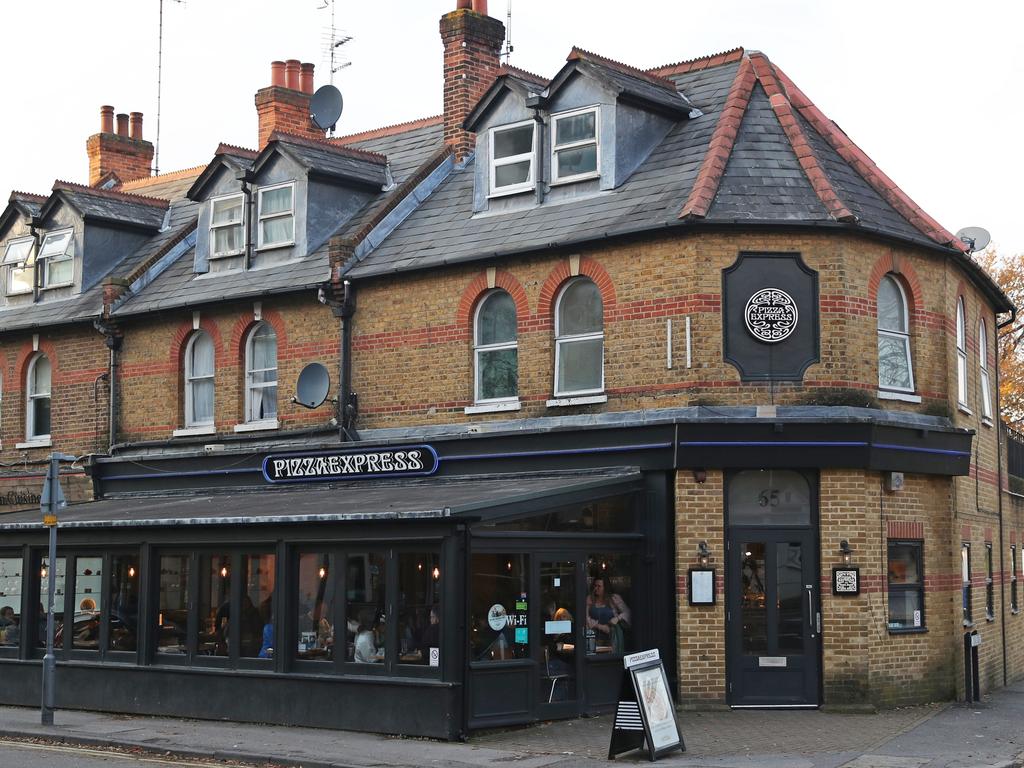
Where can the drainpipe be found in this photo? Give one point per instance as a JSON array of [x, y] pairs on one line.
[[113, 342], [347, 404], [247, 177], [999, 496], [33, 228], [538, 103]]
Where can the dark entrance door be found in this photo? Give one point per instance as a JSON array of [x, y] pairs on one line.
[[772, 592]]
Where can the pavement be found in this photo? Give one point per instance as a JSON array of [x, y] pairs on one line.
[[985, 735]]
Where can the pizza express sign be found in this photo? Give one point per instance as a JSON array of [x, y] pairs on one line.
[[771, 315], [406, 461]]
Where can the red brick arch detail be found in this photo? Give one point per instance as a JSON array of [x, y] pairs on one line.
[[560, 274], [473, 292], [244, 324], [181, 337], [26, 354], [908, 275]]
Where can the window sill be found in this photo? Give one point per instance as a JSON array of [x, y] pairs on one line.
[[206, 429], [510, 405], [964, 409], [909, 631], [512, 191], [985, 420], [44, 442], [574, 179], [563, 402], [274, 246], [55, 287], [227, 255], [990, 619], [1015, 611], [257, 426], [968, 623], [904, 397]]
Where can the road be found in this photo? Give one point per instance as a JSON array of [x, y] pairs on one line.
[[19, 754]]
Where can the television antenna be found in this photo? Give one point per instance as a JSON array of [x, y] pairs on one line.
[[506, 54], [333, 42], [975, 238], [159, 84]]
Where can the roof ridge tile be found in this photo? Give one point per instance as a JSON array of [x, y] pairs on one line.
[[169, 176], [27, 196], [127, 197], [233, 149], [578, 53], [699, 63], [388, 130], [508, 69], [358, 154]]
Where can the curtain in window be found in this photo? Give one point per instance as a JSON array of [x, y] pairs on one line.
[[277, 203], [894, 366], [262, 373], [579, 339], [200, 376], [39, 397], [497, 355]]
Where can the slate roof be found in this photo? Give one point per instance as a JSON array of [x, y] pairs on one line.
[[653, 90], [332, 160], [21, 205], [167, 186], [109, 205]]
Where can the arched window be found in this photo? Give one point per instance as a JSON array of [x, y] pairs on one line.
[[986, 389], [261, 374], [496, 349], [895, 371], [579, 339], [199, 380], [961, 353], [37, 405]]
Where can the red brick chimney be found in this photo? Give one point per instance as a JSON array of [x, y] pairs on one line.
[[284, 104], [472, 47], [129, 156]]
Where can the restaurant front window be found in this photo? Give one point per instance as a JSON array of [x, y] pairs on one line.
[[123, 603], [10, 601], [60, 576], [610, 619], [366, 587], [216, 624], [88, 603], [315, 619], [257, 612], [172, 604], [419, 608], [498, 616]]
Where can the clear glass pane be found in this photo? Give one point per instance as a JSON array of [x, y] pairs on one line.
[[576, 161], [257, 614], [315, 607], [202, 402], [59, 272], [752, 598], [419, 608], [40, 416], [513, 141], [961, 376], [512, 173], [496, 320], [982, 346], [580, 309], [365, 584], [499, 373], [580, 365], [88, 603], [769, 497], [41, 376], [10, 601], [558, 639], [20, 281], [609, 597], [894, 362], [227, 239], [262, 403], [17, 252], [55, 245], [499, 626], [264, 347], [59, 587], [611, 515], [275, 201], [905, 610], [986, 396], [961, 334], [575, 128], [277, 230], [965, 577], [790, 597], [172, 618], [124, 603], [904, 563], [892, 314], [215, 621], [228, 211], [202, 355]]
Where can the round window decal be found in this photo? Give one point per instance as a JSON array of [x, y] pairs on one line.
[[497, 617], [771, 315]]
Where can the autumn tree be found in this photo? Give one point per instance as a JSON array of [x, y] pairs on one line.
[[1009, 273]]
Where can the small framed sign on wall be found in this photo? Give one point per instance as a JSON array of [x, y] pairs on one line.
[[700, 586], [846, 581]]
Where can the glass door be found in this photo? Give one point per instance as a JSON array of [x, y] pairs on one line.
[[556, 648]]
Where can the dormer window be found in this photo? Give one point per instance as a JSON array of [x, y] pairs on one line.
[[512, 151], [19, 259], [276, 216], [574, 145], [57, 259], [226, 220]]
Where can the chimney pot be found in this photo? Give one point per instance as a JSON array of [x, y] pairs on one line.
[[106, 119], [277, 73], [135, 125], [122, 124], [306, 78], [480, 6], [291, 74], [463, 4]]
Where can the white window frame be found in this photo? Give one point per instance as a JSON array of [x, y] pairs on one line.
[[596, 141], [497, 347], [560, 340], [190, 420], [13, 265], [213, 227], [983, 377], [961, 353], [249, 384], [511, 189], [66, 255], [260, 217], [904, 337], [31, 396]]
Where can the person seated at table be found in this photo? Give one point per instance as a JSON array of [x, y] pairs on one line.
[[608, 615], [6, 616], [367, 651], [430, 637]]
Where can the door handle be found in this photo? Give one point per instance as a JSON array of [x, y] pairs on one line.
[[810, 606]]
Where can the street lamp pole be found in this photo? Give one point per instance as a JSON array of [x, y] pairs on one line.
[[52, 500]]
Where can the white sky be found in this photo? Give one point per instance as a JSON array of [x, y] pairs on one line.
[[931, 90]]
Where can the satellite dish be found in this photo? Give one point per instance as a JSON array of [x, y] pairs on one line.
[[975, 238], [325, 107], [312, 386]]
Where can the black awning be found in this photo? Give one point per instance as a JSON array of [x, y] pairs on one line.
[[429, 498]]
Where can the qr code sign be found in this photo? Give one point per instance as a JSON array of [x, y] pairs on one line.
[[844, 581]]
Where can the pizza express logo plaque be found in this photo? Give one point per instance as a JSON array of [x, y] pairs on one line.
[[771, 315], [406, 461]]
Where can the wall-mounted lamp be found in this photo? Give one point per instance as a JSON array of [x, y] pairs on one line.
[[845, 551], [703, 553], [700, 475]]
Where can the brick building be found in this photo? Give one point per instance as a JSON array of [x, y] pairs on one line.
[[619, 359]]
